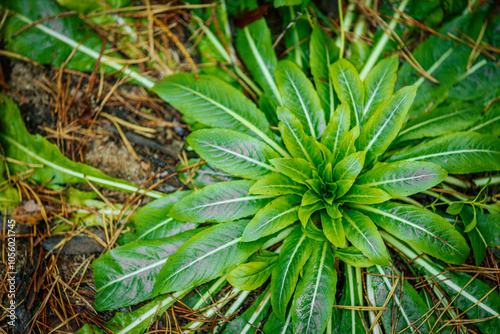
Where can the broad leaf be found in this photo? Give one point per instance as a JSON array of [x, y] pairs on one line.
[[126, 275], [403, 178], [379, 85], [250, 276], [337, 128], [333, 229], [362, 233], [299, 170], [208, 255], [300, 98], [275, 184], [296, 250], [420, 228], [458, 153], [349, 88], [235, 153], [220, 202], [353, 256], [365, 195], [383, 127], [315, 295], [274, 217]]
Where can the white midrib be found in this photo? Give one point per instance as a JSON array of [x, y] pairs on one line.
[[250, 324], [330, 85], [241, 156], [91, 53], [302, 238], [302, 148], [398, 180], [262, 65], [276, 217], [355, 107], [134, 273], [432, 120], [372, 97], [304, 108], [131, 188], [353, 301], [287, 322], [360, 232], [316, 286], [485, 123], [382, 128], [451, 152], [234, 200], [218, 249], [337, 134], [164, 222]]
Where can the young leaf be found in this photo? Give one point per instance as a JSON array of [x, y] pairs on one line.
[[275, 184], [349, 88], [220, 202], [305, 212], [362, 233], [323, 53], [297, 169], [365, 195], [315, 295], [300, 98], [235, 153], [296, 141], [455, 208], [403, 178], [349, 167], [208, 255], [250, 276], [420, 228], [333, 229], [274, 217], [126, 275], [458, 153], [379, 85], [296, 250], [337, 128], [313, 232], [353, 256], [383, 127], [347, 146], [310, 197]]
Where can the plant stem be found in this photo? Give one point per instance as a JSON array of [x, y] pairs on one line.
[[379, 47]]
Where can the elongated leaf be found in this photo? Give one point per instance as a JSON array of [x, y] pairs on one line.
[[353, 256], [349, 88], [407, 311], [275, 326], [347, 145], [337, 128], [323, 53], [296, 141], [333, 229], [208, 255], [275, 184], [420, 228], [403, 178], [300, 98], [383, 127], [235, 153], [362, 233], [315, 295], [58, 170], [297, 169], [458, 153], [349, 167], [490, 122], [365, 195], [152, 222], [250, 276], [296, 250], [476, 237], [274, 217], [220, 202], [126, 275], [379, 85]]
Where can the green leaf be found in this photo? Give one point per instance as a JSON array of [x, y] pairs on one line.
[[379, 85], [455, 208], [403, 178], [58, 170], [220, 202], [275, 184], [274, 217], [333, 229], [315, 295], [353, 256], [383, 127], [477, 239], [250, 276], [300, 30], [365, 195], [280, 3], [458, 153], [323, 53], [208, 255], [349, 167], [420, 228], [347, 146], [490, 122], [300, 98], [235, 153], [337, 128], [152, 222], [362, 233], [126, 275], [296, 250], [405, 305], [310, 197], [274, 326], [349, 88], [297, 169], [313, 232], [296, 141], [305, 212]]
